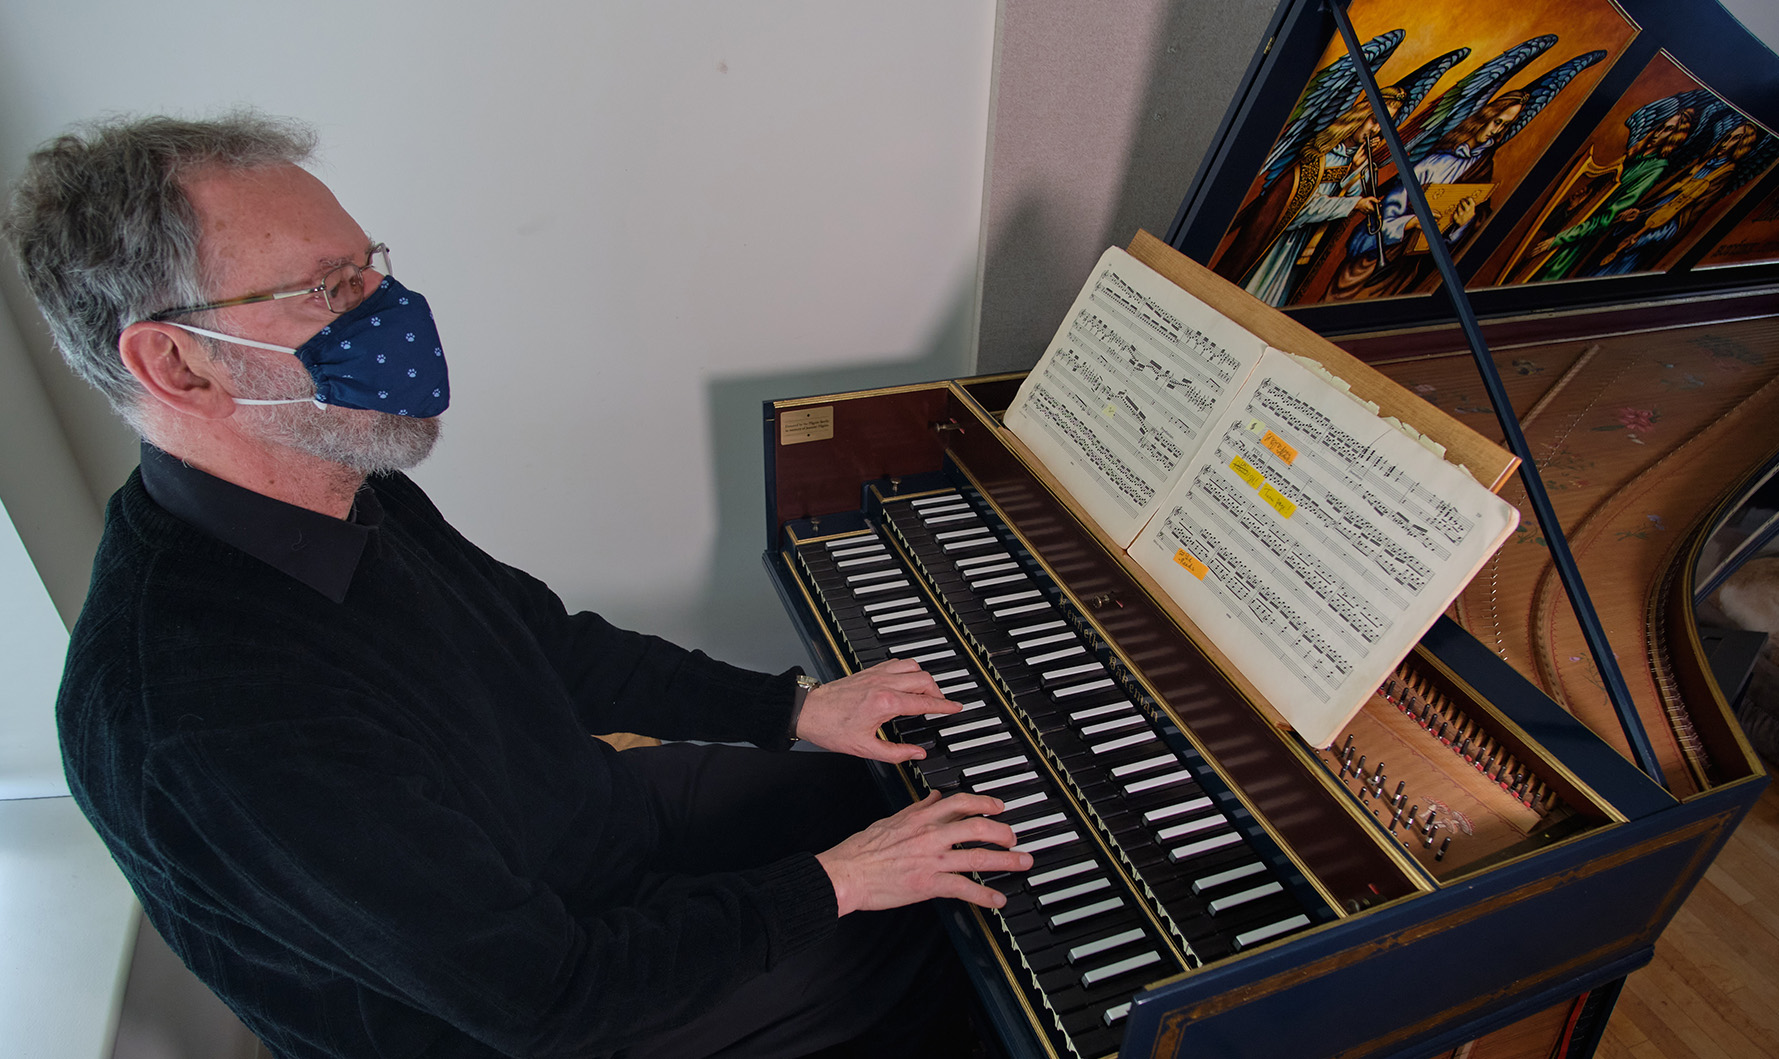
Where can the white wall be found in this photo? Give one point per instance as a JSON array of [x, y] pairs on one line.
[[32, 642], [634, 221]]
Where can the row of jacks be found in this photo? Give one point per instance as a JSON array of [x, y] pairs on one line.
[[1434, 712]]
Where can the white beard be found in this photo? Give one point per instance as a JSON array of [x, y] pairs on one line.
[[364, 441]]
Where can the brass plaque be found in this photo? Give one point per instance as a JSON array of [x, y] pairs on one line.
[[797, 425]]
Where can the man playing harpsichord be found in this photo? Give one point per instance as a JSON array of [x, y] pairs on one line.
[[342, 755]]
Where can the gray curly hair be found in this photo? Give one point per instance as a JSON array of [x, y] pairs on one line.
[[105, 235]]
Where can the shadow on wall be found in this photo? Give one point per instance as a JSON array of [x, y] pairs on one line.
[[738, 617], [1036, 259]]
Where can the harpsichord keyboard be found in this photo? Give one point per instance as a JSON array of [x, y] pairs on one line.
[[1144, 865]]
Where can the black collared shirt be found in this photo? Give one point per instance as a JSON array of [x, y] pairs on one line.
[[318, 550]]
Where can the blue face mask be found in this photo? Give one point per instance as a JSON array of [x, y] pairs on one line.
[[382, 355]]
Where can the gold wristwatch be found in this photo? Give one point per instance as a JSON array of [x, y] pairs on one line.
[[805, 685]]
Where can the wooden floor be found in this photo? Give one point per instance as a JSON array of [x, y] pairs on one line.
[[1713, 990]]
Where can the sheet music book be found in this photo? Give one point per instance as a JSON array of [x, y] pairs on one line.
[[1310, 540]]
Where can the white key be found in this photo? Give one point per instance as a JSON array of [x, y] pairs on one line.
[[1082, 689], [1037, 822], [1099, 711], [1051, 656], [1078, 890], [898, 615], [919, 645], [967, 707], [1055, 637], [1107, 944], [1191, 827], [947, 689], [1112, 970], [987, 740], [1224, 904], [1011, 597], [934, 656], [1116, 724], [1076, 915], [1203, 846], [1223, 878], [1074, 671], [942, 498], [940, 520], [995, 766], [907, 626], [885, 587], [881, 557], [973, 542], [1020, 634], [978, 559], [1166, 779], [1115, 1014], [875, 575], [1134, 767], [1024, 608], [970, 726], [863, 549], [1120, 743], [889, 603], [1005, 781], [1002, 580], [1168, 812], [984, 571], [951, 535], [848, 542], [1271, 930], [941, 678], [1045, 878], [1021, 803], [1038, 845]]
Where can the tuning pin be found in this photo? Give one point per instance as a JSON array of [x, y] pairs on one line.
[[1443, 846]]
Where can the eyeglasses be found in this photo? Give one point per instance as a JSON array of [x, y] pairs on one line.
[[341, 289]]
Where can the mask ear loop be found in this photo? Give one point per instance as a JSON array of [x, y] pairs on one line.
[[316, 400]]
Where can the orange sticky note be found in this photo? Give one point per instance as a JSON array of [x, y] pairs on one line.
[[1280, 447], [1193, 566]]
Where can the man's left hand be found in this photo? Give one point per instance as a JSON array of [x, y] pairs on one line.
[[846, 714]]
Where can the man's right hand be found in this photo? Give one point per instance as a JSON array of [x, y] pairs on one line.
[[911, 856]]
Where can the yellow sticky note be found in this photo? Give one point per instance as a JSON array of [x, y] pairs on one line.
[[1193, 566], [1280, 447], [1246, 472], [1277, 500]]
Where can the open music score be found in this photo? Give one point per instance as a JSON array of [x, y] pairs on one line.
[[1310, 540], [1129, 388]]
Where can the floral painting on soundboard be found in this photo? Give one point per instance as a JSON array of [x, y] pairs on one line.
[[1754, 240], [1662, 166], [1477, 89]]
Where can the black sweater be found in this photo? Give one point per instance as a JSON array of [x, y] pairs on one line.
[[378, 826]]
